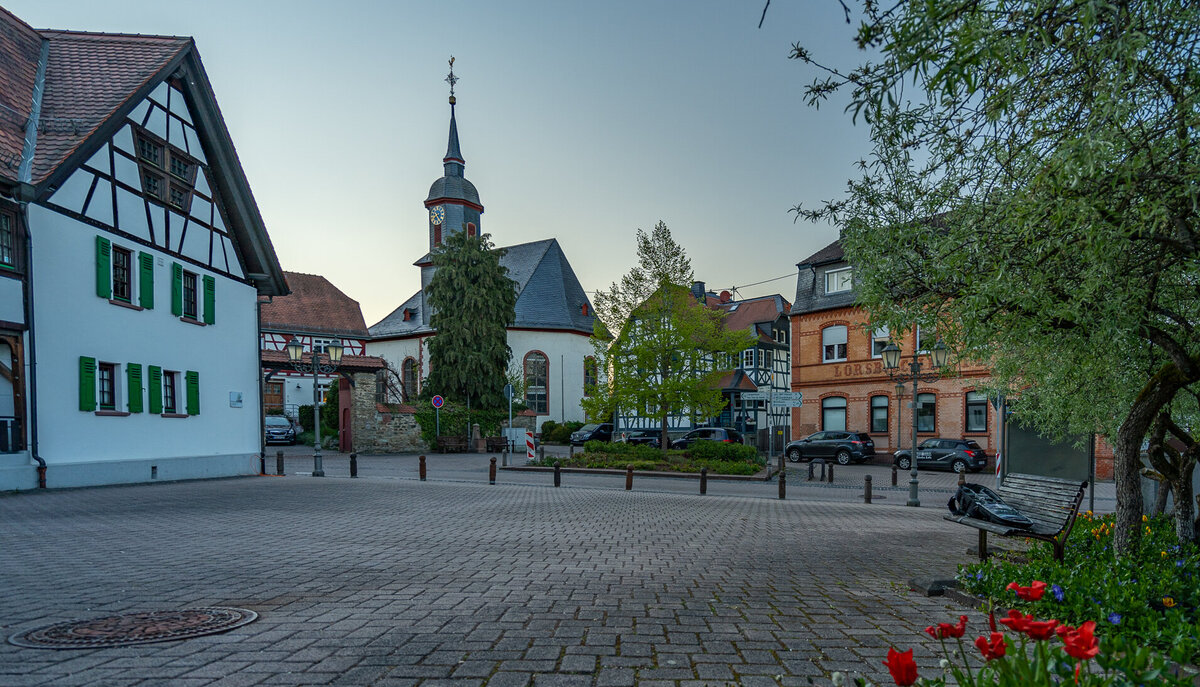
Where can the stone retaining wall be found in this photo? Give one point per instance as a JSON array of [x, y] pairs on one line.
[[383, 428]]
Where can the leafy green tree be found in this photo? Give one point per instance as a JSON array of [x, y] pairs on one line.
[[473, 303], [1032, 189], [656, 343]]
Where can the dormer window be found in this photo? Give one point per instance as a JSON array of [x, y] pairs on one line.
[[168, 174], [838, 281]]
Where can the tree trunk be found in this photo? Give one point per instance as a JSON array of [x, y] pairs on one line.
[[1181, 492], [1160, 497]]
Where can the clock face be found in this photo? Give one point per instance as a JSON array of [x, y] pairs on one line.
[[437, 214]]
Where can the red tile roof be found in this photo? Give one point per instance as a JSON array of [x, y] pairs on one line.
[[315, 305], [752, 311], [89, 76], [350, 363], [736, 381]]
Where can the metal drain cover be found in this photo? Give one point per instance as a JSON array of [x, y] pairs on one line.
[[135, 628]]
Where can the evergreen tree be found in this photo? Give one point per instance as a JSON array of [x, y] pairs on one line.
[[473, 303]]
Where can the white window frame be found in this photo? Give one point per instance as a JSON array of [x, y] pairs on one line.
[[320, 345], [747, 358], [767, 362], [881, 335], [840, 280], [829, 405], [919, 341], [826, 357]]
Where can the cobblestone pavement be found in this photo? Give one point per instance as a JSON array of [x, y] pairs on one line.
[[388, 581]]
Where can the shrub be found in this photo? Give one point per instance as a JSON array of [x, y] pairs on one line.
[[555, 433], [454, 420], [721, 451]]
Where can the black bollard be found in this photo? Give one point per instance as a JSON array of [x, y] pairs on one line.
[[782, 485], [557, 474], [492, 471], [354, 465], [422, 468], [571, 451], [279, 463], [262, 463], [866, 489], [812, 470], [962, 478], [893, 474], [703, 481], [831, 473], [628, 477]]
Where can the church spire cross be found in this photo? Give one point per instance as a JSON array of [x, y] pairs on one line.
[[451, 79]]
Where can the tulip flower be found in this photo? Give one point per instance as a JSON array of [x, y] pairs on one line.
[[1081, 642], [902, 667], [1031, 593], [992, 647], [944, 630], [1040, 629], [1017, 620]]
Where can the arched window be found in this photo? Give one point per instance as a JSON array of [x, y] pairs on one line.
[[976, 412], [833, 343], [926, 412], [879, 414], [408, 380], [589, 375], [471, 229], [537, 382], [833, 414]]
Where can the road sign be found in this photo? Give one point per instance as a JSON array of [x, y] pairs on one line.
[[508, 391], [787, 398], [438, 401], [755, 396]]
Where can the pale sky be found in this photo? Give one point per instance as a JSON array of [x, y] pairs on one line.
[[582, 121]]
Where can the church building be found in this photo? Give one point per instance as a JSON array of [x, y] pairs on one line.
[[550, 336]]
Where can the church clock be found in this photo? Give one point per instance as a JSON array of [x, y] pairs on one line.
[[437, 214]]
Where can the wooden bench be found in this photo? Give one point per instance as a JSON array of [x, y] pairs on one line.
[[1051, 503], [449, 444], [495, 444]]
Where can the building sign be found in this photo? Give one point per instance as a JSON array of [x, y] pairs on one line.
[[858, 369]]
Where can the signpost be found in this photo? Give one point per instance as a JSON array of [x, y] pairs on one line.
[[437, 406], [508, 393]]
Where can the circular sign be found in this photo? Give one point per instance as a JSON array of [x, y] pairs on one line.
[[437, 401]]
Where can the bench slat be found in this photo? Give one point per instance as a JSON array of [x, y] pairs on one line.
[[1049, 502]]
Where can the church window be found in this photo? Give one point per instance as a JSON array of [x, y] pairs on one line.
[[408, 380], [537, 378], [159, 162], [585, 309], [470, 229], [437, 235]]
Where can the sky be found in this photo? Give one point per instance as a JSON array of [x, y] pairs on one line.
[[581, 121]]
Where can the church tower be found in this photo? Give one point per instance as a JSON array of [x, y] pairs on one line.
[[453, 203]]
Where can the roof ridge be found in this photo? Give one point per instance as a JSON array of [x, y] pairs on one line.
[[47, 33]]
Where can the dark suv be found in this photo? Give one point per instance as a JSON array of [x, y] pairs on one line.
[[844, 447], [953, 454], [592, 432], [649, 437], [725, 434]]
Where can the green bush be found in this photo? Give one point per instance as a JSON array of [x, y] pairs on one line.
[[721, 451], [1151, 597], [304, 414], [555, 433], [329, 412], [454, 420]]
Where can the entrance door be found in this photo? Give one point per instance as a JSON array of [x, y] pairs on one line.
[[273, 397]]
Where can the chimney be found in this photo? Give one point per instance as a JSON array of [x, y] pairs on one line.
[[698, 291]]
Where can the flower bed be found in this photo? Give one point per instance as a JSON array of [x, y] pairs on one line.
[[719, 458]]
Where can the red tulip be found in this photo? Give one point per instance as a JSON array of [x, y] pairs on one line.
[[902, 667], [1080, 642], [1040, 629], [1017, 620], [992, 649], [944, 630], [1031, 593]]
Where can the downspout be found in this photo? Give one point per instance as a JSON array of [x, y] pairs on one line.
[[25, 193], [262, 387]]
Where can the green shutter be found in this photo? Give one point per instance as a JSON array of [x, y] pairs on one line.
[[133, 375], [154, 384], [177, 289], [193, 392], [87, 383], [103, 267], [210, 300], [146, 280]]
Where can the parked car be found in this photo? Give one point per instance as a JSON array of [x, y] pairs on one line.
[[648, 437], [279, 430], [592, 432], [844, 447], [725, 434], [952, 454]]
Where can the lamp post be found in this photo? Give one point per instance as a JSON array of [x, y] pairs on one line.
[[891, 363], [295, 351]]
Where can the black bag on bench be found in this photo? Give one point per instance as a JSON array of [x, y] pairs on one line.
[[979, 502]]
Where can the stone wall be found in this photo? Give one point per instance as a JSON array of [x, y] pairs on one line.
[[380, 428]]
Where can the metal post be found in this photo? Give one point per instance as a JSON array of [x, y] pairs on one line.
[[782, 485], [422, 468], [703, 481], [279, 463], [628, 477], [866, 488], [962, 478], [831, 473], [504, 456], [811, 469], [541, 452], [262, 463], [913, 500], [318, 467], [571, 451], [492, 471], [894, 473], [557, 474], [354, 465]]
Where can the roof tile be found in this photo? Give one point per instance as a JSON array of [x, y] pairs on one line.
[[314, 305]]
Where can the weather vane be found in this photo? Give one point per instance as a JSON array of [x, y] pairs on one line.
[[451, 78]]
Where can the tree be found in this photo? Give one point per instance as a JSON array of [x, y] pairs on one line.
[[657, 343], [1036, 195], [473, 303]]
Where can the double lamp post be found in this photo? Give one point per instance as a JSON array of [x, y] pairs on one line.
[[938, 356], [295, 352]]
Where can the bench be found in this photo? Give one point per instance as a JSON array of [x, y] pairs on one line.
[[449, 444], [495, 444], [1050, 502]]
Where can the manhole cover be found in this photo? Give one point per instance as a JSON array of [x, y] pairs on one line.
[[135, 628]]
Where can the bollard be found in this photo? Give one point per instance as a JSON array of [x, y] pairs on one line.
[[703, 481], [812, 471], [541, 453], [893, 474], [866, 489], [422, 470], [557, 474], [962, 478], [782, 485], [831, 473], [354, 465], [628, 477], [262, 463], [279, 463], [571, 451], [492, 471], [505, 455]]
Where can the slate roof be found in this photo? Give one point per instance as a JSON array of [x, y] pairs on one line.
[[810, 281], [314, 305], [453, 187], [549, 295], [91, 81]]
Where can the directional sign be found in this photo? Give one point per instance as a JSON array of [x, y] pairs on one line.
[[755, 395], [787, 398], [438, 401]]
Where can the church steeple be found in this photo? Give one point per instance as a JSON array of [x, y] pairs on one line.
[[453, 202], [453, 161]]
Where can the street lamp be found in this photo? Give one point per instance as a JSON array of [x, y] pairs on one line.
[[891, 363], [295, 352]]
